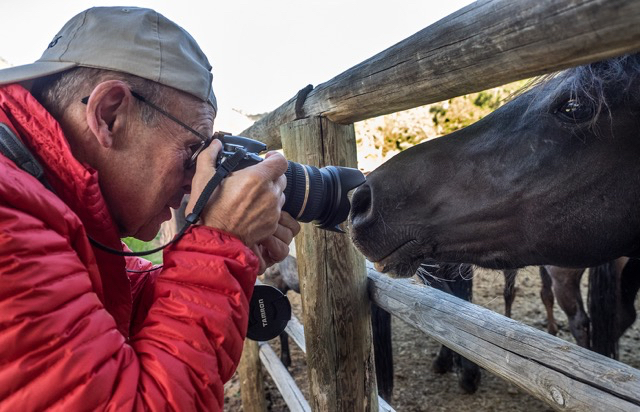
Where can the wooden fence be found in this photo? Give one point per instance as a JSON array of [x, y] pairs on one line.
[[485, 44]]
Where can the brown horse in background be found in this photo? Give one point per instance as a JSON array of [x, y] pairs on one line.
[[613, 287]]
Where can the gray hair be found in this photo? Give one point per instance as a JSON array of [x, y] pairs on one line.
[[59, 91]]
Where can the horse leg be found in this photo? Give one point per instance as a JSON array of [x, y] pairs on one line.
[[546, 295], [629, 270], [604, 298], [509, 291], [612, 292], [285, 354], [273, 276], [469, 379], [443, 363], [566, 288], [382, 350], [460, 284]]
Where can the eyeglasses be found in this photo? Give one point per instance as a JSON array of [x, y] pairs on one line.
[[206, 141]]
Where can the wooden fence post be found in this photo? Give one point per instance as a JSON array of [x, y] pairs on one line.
[[333, 284], [250, 374]]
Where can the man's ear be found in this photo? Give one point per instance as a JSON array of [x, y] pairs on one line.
[[107, 110]]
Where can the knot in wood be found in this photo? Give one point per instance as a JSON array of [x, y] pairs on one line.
[[556, 395]]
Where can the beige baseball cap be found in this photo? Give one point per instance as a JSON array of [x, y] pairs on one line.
[[132, 40]]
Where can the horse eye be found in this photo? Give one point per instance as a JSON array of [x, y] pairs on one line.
[[574, 111]]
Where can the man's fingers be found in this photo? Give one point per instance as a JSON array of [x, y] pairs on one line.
[[274, 165], [262, 264], [281, 201], [278, 243], [282, 182], [214, 147], [205, 168], [207, 159], [275, 249], [290, 223], [284, 234]]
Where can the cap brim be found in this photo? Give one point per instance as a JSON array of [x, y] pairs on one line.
[[33, 71]]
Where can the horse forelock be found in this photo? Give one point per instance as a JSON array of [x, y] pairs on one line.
[[598, 84]]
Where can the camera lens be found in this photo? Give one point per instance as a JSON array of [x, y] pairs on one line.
[[312, 194], [320, 194]]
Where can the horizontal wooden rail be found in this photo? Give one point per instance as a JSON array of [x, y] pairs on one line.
[[296, 332], [560, 373], [486, 44]]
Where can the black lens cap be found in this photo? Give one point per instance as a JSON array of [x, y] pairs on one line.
[[269, 313]]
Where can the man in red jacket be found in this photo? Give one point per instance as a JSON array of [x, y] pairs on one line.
[[117, 110]]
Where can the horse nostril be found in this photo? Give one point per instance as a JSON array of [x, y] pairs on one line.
[[361, 201]]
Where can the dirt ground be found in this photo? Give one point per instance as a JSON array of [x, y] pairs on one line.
[[419, 389]]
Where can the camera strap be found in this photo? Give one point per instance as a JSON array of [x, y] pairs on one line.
[[13, 148], [223, 170]]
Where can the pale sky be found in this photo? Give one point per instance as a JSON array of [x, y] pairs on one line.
[[262, 52]]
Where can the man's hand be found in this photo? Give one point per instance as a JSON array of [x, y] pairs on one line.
[[247, 203], [275, 248]]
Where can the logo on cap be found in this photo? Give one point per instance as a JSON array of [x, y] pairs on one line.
[[54, 42]]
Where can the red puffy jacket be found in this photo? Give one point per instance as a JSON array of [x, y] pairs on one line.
[[77, 332]]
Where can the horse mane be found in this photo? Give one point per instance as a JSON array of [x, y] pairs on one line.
[[601, 83], [598, 84]]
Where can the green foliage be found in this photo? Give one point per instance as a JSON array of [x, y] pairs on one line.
[[398, 139], [138, 246], [459, 112], [380, 138], [489, 99]]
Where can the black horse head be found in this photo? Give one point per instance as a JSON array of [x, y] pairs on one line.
[[551, 177]]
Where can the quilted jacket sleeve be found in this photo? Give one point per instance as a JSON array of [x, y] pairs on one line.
[[198, 304], [59, 347]]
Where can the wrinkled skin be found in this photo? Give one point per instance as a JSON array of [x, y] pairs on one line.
[[527, 185]]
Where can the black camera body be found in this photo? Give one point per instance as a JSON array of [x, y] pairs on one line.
[[231, 144], [312, 194]]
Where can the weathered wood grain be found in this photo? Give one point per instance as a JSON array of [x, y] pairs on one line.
[[486, 44], [295, 329], [250, 376], [564, 375], [283, 380], [333, 285]]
